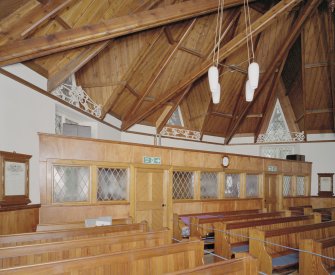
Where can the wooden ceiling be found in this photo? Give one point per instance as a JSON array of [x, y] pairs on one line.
[[142, 59]]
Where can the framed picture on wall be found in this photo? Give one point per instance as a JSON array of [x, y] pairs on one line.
[[325, 185], [14, 179]]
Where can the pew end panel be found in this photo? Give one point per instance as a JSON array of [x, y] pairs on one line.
[[257, 249]]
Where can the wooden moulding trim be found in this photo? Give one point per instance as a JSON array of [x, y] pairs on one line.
[[245, 224], [87, 204], [301, 228], [19, 207], [44, 92]]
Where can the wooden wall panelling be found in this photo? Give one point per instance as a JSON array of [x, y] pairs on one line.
[[76, 213], [273, 162], [19, 219]]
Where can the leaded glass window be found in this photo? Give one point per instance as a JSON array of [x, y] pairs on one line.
[[252, 186], [300, 186], [71, 183], [287, 186], [209, 185], [232, 185], [183, 185], [112, 184]]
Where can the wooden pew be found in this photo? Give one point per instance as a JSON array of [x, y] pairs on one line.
[[246, 266], [80, 224], [228, 236], [327, 213], [313, 264], [197, 231], [157, 260], [301, 209], [55, 251], [202, 227], [69, 234], [273, 257]]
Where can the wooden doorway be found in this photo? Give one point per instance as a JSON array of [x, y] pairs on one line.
[[271, 192], [151, 197]]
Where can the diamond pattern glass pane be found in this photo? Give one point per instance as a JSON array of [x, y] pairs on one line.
[[112, 184], [252, 186], [300, 186], [183, 185], [71, 183], [287, 182], [232, 185], [209, 185]]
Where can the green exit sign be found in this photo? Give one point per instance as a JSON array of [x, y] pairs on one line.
[[151, 160], [272, 168]]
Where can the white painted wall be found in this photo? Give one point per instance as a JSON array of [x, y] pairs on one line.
[[24, 113]]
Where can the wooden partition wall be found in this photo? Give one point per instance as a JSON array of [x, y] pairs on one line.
[[146, 199]]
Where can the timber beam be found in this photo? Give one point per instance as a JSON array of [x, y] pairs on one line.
[[19, 51]]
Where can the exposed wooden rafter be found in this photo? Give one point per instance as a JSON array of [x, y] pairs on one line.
[[163, 64], [282, 52], [29, 22], [238, 41], [69, 39]]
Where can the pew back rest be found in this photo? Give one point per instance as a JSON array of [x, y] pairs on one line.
[[157, 260], [291, 236], [55, 251], [79, 224], [69, 234]]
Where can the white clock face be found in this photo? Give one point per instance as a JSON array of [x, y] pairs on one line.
[[225, 161]]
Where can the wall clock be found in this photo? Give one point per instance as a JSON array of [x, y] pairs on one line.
[[225, 161]]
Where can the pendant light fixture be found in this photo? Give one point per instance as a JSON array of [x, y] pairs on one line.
[[253, 69], [213, 71], [249, 92]]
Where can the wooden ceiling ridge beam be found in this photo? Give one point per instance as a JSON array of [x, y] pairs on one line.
[[19, 51], [282, 52], [161, 68], [180, 97], [234, 44], [28, 23], [111, 101]]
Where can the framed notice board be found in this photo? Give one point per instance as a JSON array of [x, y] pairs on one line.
[[14, 178]]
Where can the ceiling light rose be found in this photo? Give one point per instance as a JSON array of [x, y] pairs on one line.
[[216, 94], [249, 92], [253, 74], [213, 77]]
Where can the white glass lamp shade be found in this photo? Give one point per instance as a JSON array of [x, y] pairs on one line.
[[213, 77], [253, 74], [249, 92], [216, 94]]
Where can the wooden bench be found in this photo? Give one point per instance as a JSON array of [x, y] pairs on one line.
[[228, 236], [55, 251], [157, 260], [327, 213], [181, 222], [201, 227], [246, 266], [301, 209], [313, 264], [275, 257], [79, 224], [69, 234]]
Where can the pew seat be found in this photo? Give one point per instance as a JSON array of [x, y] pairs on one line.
[[262, 244]]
